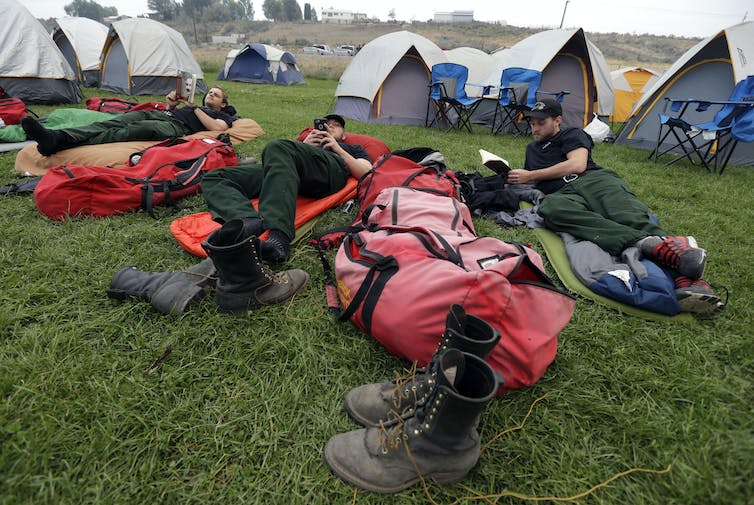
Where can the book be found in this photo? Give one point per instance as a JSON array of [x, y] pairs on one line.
[[495, 163], [185, 86]]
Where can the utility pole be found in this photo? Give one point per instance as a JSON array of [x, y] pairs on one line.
[[564, 11]]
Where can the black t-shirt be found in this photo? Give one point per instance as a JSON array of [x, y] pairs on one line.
[[553, 151], [187, 116], [355, 150]]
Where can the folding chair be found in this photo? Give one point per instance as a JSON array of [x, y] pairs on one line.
[[518, 91], [448, 99], [711, 142]]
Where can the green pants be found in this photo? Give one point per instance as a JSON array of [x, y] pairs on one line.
[[137, 125], [599, 207], [288, 169]]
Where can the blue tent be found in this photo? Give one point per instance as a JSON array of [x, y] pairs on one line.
[[261, 64]]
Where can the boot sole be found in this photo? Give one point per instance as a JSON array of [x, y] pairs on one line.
[[699, 303], [354, 480]]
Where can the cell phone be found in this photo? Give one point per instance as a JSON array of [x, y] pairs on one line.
[[320, 124]]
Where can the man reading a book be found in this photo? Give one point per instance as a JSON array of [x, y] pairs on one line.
[[214, 115], [595, 204]]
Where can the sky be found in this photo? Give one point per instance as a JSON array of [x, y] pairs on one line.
[[685, 18]]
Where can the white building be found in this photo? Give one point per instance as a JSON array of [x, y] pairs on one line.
[[339, 16], [454, 17]]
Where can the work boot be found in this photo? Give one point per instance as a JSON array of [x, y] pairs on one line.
[[168, 292], [696, 295], [244, 283], [48, 141], [371, 403], [276, 248], [438, 441], [679, 253]]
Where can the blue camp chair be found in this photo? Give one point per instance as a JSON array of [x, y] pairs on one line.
[[711, 143], [517, 94], [448, 105]]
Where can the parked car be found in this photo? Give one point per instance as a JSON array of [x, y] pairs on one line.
[[345, 50], [321, 49]]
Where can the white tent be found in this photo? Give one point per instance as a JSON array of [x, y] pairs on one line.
[[32, 67], [630, 83], [81, 41], [261, 64], [387, 80], [143, 57], [568, 61], [709, 70]]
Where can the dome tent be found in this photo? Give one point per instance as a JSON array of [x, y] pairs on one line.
[[630, 83], [386, 82], [143, 57], [709, 70], [81, 40], [568, 61], [261, 64], [32, 67]]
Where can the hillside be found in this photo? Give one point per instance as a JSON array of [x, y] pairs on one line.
[[653, 51]]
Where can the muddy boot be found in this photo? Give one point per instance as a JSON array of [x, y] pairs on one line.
[[372, 403], [244, 283], [438, 441], [168, 292]]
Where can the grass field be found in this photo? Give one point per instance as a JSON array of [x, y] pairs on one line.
[[240, 410]]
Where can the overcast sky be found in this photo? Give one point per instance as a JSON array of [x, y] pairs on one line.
[[687, 18]]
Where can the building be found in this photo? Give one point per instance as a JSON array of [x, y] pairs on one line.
[[339, 16], [454, 17]]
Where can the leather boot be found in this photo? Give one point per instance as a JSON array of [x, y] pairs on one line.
[[371, 403], [244, 283], [168, 292], [438, 441]]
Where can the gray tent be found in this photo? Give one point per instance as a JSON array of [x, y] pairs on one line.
[[32, 67], [386, 82], [261, 64], [568, 61], [81, 40], [709, 70], [143, 57]]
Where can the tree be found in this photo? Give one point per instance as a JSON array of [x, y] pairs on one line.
[[307, 12], [391, 15], [273, 9], [89, 9], [292, 10], [248, 9], [314, 14], [166, 9]]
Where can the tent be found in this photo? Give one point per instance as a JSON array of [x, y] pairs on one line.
[[32, 67], [142, 56], [261, 64], [387, 80], [630, 83], [709, 70], [568, 61], [81, 40]]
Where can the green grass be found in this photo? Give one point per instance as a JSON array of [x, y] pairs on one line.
[[240, 410]]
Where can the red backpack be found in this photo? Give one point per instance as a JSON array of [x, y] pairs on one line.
[[160, 175], [416, 255], [12, 110], [118, 105]]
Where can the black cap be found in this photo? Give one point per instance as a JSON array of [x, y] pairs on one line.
[[338, 118], [547, 107]]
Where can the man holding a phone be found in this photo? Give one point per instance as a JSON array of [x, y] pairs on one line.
[[316, 167]]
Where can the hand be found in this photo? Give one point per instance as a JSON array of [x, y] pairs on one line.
[[518, 176]]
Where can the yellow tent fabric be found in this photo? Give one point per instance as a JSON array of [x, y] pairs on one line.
[[630, 83]]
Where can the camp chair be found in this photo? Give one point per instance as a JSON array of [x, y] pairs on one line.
[[447, 104], [712, 142], [517, 83]]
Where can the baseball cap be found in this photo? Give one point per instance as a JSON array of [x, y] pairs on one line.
[[547, 107], [338, 118]]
